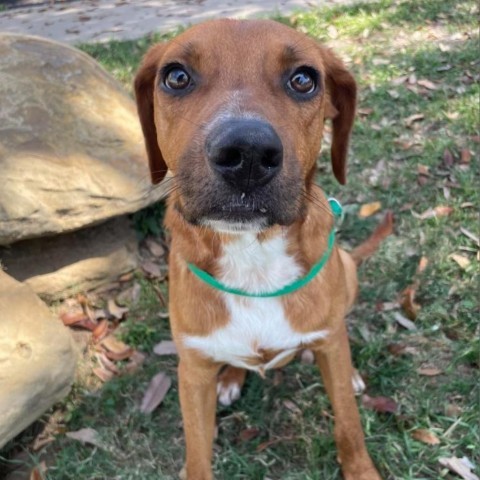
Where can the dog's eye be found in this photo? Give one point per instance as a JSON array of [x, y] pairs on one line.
[[302, 81], [177, 79]]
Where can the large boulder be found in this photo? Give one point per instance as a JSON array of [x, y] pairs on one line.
[[37, 358], [71, 148]]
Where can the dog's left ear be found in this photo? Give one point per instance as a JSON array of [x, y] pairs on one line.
[[340, 107], [144, 85]]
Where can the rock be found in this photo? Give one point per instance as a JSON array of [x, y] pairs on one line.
[[37, 358], [56, 267], [71, 147]]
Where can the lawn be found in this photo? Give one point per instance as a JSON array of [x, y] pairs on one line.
[[415, 150]]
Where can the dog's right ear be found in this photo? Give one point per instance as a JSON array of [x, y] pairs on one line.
[[144, 85]]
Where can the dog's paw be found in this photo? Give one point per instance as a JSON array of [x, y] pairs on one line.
[[228, 392], [358, 384], [229, 386]]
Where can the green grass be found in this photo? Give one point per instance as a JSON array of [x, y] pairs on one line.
[[383, 40]]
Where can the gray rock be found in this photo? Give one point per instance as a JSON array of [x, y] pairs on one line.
[[71, 148], [56, 267], [37, 358]]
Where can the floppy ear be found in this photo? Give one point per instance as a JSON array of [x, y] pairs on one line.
[[340, 107], [144, 87]]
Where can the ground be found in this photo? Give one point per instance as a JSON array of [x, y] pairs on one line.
[[414, 150]]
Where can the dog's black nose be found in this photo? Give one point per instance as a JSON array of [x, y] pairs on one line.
[[247, 153]]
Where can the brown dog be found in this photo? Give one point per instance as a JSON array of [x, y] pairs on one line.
[[235, 110]]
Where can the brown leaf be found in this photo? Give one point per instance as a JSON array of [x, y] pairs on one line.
[[292, 407], [135, 362], [427, 84], [399, 80], [438, 211], [399, 349], [423, 170], [379, 404], [79, 320], [448, 159], [100, 330], [365, 111], [422, 265], [464, 262], [152, 269], [103, 374], [114, 345], [369, 209], [429, 371], [465, 156], [116, 311], [107, 364], [156, 391], [249, 434], [471, 236], [425, 436], [88, 436], [460, 466], [410, 307], [155, 248], [409, 121], [165, 348]]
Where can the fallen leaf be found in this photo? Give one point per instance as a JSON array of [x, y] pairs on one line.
[[365, 111], [292, 407], [471, 236], [429, 371], [465, 156], [103, 374], [422, 265], [107, 364], [165, 348], [152, 269], [438, 211], [464, 262], [155, 248], [460, 466], [423, 170], [427, 84], [156, 391], [369, 209], [425, 436], [114, 345], [387, 306], [249, 434], [448, 159], [135, 362], [100, 330], [79, 320], [410, 307], [115, 310], [88, 436], [399, 349], [399, 80], [379, 404], [404, 322], [409, 121]]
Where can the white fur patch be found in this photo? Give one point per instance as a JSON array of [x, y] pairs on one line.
[[255, 323]]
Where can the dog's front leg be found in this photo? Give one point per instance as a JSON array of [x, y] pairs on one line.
[[334, 361], [198, 399]]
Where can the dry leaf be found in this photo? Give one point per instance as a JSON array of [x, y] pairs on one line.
[[423, 170], [152, 269], [427, 84], [114, 345], [448, 159], [249, 434], [369, 209], [116, 311], [460, 466], [465, 156], [155, 248], [409, 121], [471, 236], [106, 363], [399, 80], [410, 307], [422, 265], [103, 374], [292, 407], [100, 330], [429, 371], [87, 436], [379, 404], [425, 436], [79, 320], [135, 362], [365, 111], [464, 262], [156, 391], [404, 322], [438, 211], [165, 348], [399, 349]]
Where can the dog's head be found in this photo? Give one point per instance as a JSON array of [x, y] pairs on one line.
[[235, 109]]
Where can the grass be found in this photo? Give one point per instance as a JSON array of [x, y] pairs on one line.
[[435, 40]]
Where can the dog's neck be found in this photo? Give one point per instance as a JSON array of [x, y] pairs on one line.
[[305, 240]]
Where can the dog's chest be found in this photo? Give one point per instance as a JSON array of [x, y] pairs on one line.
[[258, 334]]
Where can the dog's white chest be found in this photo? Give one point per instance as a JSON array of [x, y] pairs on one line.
[[256, 324]]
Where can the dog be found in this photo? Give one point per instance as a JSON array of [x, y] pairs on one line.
[[235, 111]]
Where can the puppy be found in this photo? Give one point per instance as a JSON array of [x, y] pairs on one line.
[[235, 110]]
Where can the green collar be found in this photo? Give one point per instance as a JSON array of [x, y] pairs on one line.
[[291, 287]]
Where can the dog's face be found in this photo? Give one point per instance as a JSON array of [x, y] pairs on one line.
[[235, 110]]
